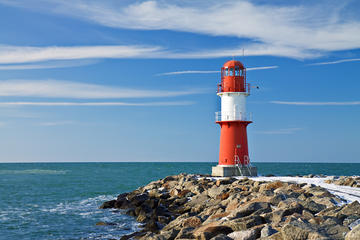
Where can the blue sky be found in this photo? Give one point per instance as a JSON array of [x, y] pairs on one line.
[[136, 80]]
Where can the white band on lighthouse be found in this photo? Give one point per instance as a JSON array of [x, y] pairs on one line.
[[233, 106]]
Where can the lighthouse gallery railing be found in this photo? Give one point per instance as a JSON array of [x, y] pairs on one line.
[[233, 116]]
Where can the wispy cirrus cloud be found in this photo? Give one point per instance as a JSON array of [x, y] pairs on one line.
[[25, 54], [335, 62], [48, 65], [97, 104], [293, 30], [351, 103], [261, 68], [187, 72], [28, 54], [77, 90], [280, 131], [210, 72], [56, 123]]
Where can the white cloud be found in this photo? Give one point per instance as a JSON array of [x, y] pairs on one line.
[[291, 30], [68, 89], [281, 131], [57, 123], [187, 72], [26, 54], [207, 72], [353, 103], [257, 49], [261, 68], [96, 104], [336, 62], [21, 54], [48, 65]]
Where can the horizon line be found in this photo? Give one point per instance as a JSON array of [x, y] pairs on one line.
[[159, 162]]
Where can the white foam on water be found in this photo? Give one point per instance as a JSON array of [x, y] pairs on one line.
[[85, 208], [14, 214], [103, 236], [347, 193], [119, 223], [34, 171], [4, 218]]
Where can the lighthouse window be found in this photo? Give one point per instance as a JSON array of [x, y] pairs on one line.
[[237, 71], [226, 72], [231, 72]]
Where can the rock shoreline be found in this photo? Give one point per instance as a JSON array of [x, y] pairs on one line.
[[345, 181], [189, 206]]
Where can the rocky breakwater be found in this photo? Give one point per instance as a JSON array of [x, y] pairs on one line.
[[199, 207], [345, 181]]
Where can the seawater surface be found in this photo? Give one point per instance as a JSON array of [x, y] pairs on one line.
[[61, 200]]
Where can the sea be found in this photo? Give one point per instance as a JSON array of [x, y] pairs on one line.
[[61, 200]]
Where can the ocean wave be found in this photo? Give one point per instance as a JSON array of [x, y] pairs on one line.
[[4, 217], [85, 208], [34, 171], [115, 232], [120, 224], [81, 213], [16, 214]]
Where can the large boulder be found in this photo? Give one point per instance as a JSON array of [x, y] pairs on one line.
[[192, 222], [249, 209], [351, 209], [152, 236], [354, 223], [122, 196], [211, 230], [245, 223], [137, 200], [275, 200], [221, 237], [272, 186], [354, 234], [313, 207], [123, 204], [108, 204], [267, 231], [243, 235], [185, 233], [299, 230], [216, 191], [327, 201], [224, 181], [170, 234], [334, 231]]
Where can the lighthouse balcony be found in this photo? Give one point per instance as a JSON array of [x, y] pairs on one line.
[[233, 116]]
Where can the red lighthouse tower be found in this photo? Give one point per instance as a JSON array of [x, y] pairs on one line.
[[233, 119]]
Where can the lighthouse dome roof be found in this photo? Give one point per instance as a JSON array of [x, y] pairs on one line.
[[233, 63]]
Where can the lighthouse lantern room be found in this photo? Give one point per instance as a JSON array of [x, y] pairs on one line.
[[233, 119]]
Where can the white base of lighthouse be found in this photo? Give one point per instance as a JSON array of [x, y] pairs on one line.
[[233, 170]]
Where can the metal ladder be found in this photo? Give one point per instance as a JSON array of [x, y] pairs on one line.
[[237, 163], [246, 164]]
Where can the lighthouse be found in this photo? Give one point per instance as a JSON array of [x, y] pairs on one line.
[[233, 119]]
